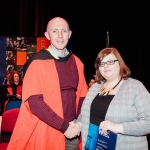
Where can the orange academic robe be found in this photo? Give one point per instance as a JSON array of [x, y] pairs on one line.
[[30, 133]]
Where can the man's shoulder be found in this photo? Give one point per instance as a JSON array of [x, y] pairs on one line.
[[41, 55], [77, 58]]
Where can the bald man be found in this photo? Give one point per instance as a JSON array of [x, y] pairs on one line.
[[53, 91]]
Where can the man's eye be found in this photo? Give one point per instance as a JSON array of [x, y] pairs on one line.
[[65, 31]]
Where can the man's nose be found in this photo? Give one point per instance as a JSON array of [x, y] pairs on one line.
[[60, 34]]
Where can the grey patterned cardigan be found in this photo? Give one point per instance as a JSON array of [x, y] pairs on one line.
[[130, 107]]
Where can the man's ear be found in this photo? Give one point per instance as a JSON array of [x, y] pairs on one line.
[[46, 35], [70, 34]]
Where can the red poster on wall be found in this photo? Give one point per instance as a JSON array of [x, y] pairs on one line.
[[42, 43]]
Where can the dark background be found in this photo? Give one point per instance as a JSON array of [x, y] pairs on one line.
[[127, 23]]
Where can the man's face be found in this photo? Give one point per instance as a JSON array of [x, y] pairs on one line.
[[92, 81], [8, 77], [58, 33]]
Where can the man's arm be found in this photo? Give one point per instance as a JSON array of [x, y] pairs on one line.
[[39, 108]]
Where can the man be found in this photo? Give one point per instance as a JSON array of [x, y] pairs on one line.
[[53, 91], [91, 82]]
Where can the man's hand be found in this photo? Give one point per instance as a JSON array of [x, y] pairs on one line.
[[72, 131]]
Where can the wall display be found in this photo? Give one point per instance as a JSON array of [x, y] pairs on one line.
[[15, 51]]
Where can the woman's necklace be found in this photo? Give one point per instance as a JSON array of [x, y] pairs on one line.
[[102, 91]]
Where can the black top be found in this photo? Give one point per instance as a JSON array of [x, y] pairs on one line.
[[99, 108], [14, 90]]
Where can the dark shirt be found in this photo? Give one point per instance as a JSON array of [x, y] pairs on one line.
[[99, 108], [14, 90]]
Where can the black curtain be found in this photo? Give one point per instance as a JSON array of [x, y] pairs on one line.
[[29, 17], [21, 17], [128, 26]]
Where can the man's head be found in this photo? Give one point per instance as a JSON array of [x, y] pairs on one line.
[[91, 82], [58, 32], [8, 76]]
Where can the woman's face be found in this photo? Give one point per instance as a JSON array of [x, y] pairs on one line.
[[16, 77], [110, 71]]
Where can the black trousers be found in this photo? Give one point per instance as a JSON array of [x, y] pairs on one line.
[[72, 144]]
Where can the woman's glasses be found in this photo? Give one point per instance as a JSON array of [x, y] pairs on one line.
[[109, 62]]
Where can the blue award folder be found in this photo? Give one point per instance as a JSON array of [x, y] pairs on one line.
[[97, 141]]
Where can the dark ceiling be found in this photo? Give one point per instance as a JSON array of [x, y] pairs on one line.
[[127, 23]]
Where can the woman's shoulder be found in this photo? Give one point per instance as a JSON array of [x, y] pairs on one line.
[[134, 84], [95, 87], [133, 81]]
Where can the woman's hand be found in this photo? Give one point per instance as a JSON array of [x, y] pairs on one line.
[[18, 96], [111, 126]]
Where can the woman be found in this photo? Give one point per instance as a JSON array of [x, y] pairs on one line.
[[15, 88], [116, 103]]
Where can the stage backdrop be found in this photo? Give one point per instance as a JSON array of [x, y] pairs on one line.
[[15, 51]]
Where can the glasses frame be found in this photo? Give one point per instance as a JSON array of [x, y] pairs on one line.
[[107, 63]]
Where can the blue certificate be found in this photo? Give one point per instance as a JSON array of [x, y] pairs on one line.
[[97, 141], [106, 142]]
